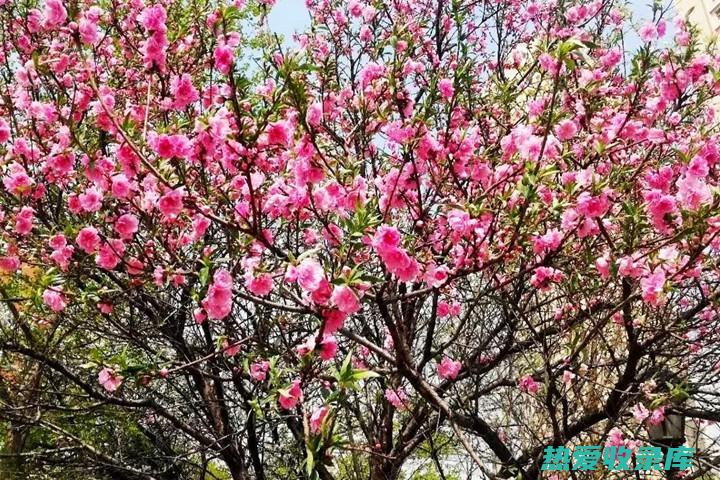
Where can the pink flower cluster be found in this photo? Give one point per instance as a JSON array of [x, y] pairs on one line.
[[449, 368], [109, 379], [529, 385], [398, 398], [386, 242], [54, 298], [544, 277], [154, 48], [219, 298], [291, 396]]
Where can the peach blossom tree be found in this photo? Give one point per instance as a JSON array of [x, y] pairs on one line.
[[422, 239]]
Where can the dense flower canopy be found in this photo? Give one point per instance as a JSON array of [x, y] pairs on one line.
[[420, 239]]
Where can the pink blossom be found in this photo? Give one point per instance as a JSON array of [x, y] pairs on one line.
[[345, 299], [91, 200], [640, 412], [334, 320], [593, 206], [355, 8], [154, 49], [459, 221], [615, 438], [333, 235], [398, 262], [55, 12], [445, 86], [153, 18], [682, 38], [371, 72], [693, 192], [544, 276], [317, 418], [9, 264], [258, 370], [436, 276], [310, 274], [126, 225], [529, 385], [231, 349], [576, 13], [260, 285], [448, 368], [24, 221], [565, 130], [200, 225], [322, 295], [59, 166], [183, 91], [4, 130], [62, 255], [611, 58], [218, 300], [548, 242], [657, 416], [159, 277], [549, 64], [446, 309], [105, 308], [199, 316], [397, 397], [289, 397], [109, 379], [171, 204], [389, 343], [386, 238], [652, 287], [224, 58], [88, 30], [398, 133], [698, 167], [121, 186], [603, 267], [135, 266], [629, 267], [17, 181], [279, 133], [171, 146], [88, 240], [328, 347], [648, 32], [314, 115], [110, 254], [54, 299], [659, 206], [57, 241]]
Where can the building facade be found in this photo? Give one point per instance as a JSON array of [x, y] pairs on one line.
[[703, 13]]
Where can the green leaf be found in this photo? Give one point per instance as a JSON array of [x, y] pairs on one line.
[[204, 275], [255, 405], [363, 374], [309, 462]]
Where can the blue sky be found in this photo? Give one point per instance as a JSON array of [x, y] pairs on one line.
[[290, 16]]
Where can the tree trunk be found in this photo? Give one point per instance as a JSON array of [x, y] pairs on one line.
[[383, 469]]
